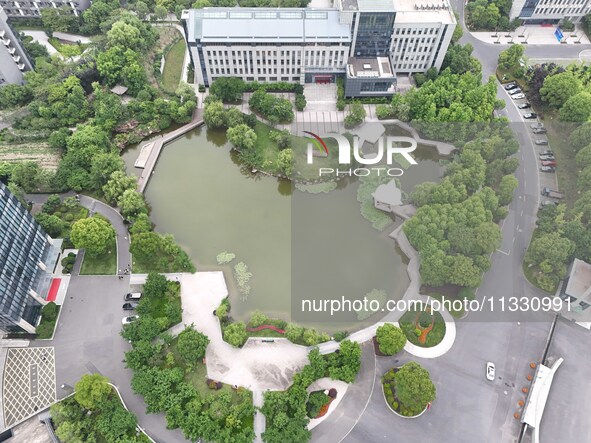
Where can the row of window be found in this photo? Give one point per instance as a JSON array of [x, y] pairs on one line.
[[562, 11], [416, 31]]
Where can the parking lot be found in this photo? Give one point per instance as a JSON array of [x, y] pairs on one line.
[[536, 131]]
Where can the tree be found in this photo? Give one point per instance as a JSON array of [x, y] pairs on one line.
[[118, 64], [580, 137], [51, 224], [192, 345], [414, 387], [93, 234], [355, 116], [214, 114], [59, 19], [92, 390], [482, 14], [26, 175], [156, 285], [118, 183], [102, 167], [583, 157], [141, 9], [390, 338], [242, 137], [141, 224], [124, 35], [107, 106], [507, 187], [551, 252], [228, 89], [52, 204], [559, 88], [132, 203], [235, 334], [12, 96], [66, 102], [294, 332], [233, 117], [509, 58], [577, 108], [258, 319], [285, 161], [345, 364], [584, 180], [161, 12], [459, 59], [145, 244]]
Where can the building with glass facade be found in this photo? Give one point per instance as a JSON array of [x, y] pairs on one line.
[[549, 11], [27, 259]]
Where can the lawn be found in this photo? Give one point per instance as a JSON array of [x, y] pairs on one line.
[[299, 145], [566, 171], [173, 67], [103, 264], [197, 375], [434, 336], [47, 324], [67, 49]]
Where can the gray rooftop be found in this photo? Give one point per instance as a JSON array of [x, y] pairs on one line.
[[251, 25]]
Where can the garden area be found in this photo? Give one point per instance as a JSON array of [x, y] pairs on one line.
[[319, 402], [66, 48], [49, 314], [95, 414], [170, 372], [173, 66], [408, 390], [288, 412], [97, 237], [259, 325], [422, 326], [57, 217]]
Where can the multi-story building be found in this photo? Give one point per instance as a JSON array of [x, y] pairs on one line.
[[368, 42], [13, 58], [32, 8], [267, 45], [27, 258], [549, 11]]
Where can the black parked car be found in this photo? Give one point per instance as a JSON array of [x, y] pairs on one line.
[[129, 306]]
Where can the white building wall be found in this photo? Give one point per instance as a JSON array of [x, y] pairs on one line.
[[415, 45], [553, 10], [30, 8], [268, 63]]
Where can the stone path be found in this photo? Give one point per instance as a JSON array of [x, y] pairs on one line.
[[29, 384]]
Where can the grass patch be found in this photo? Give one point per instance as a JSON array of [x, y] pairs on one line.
[[567, 170], [102, 264], [48, 320], [196, 375], [173, 67], [68, 49], [408, 324]]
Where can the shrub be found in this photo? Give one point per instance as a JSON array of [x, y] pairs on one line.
[[340, 336], [52, 204], [235, 334], [258, 319], [341, 104], [390, 338], [49, 311], [384, 112], [300, 102], [201, 88], [69, 217]]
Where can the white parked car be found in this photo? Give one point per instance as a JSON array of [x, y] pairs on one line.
[[130, 319], [490, 371], [518, 96]]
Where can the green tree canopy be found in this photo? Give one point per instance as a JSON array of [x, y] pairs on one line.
[[92, 390], [93, 234], [414, 387], [391, 339]]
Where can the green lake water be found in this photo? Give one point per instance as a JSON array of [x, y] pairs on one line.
[[297, 245]]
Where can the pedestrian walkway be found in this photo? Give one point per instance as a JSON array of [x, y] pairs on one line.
[[258, 400], [533, 35]]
